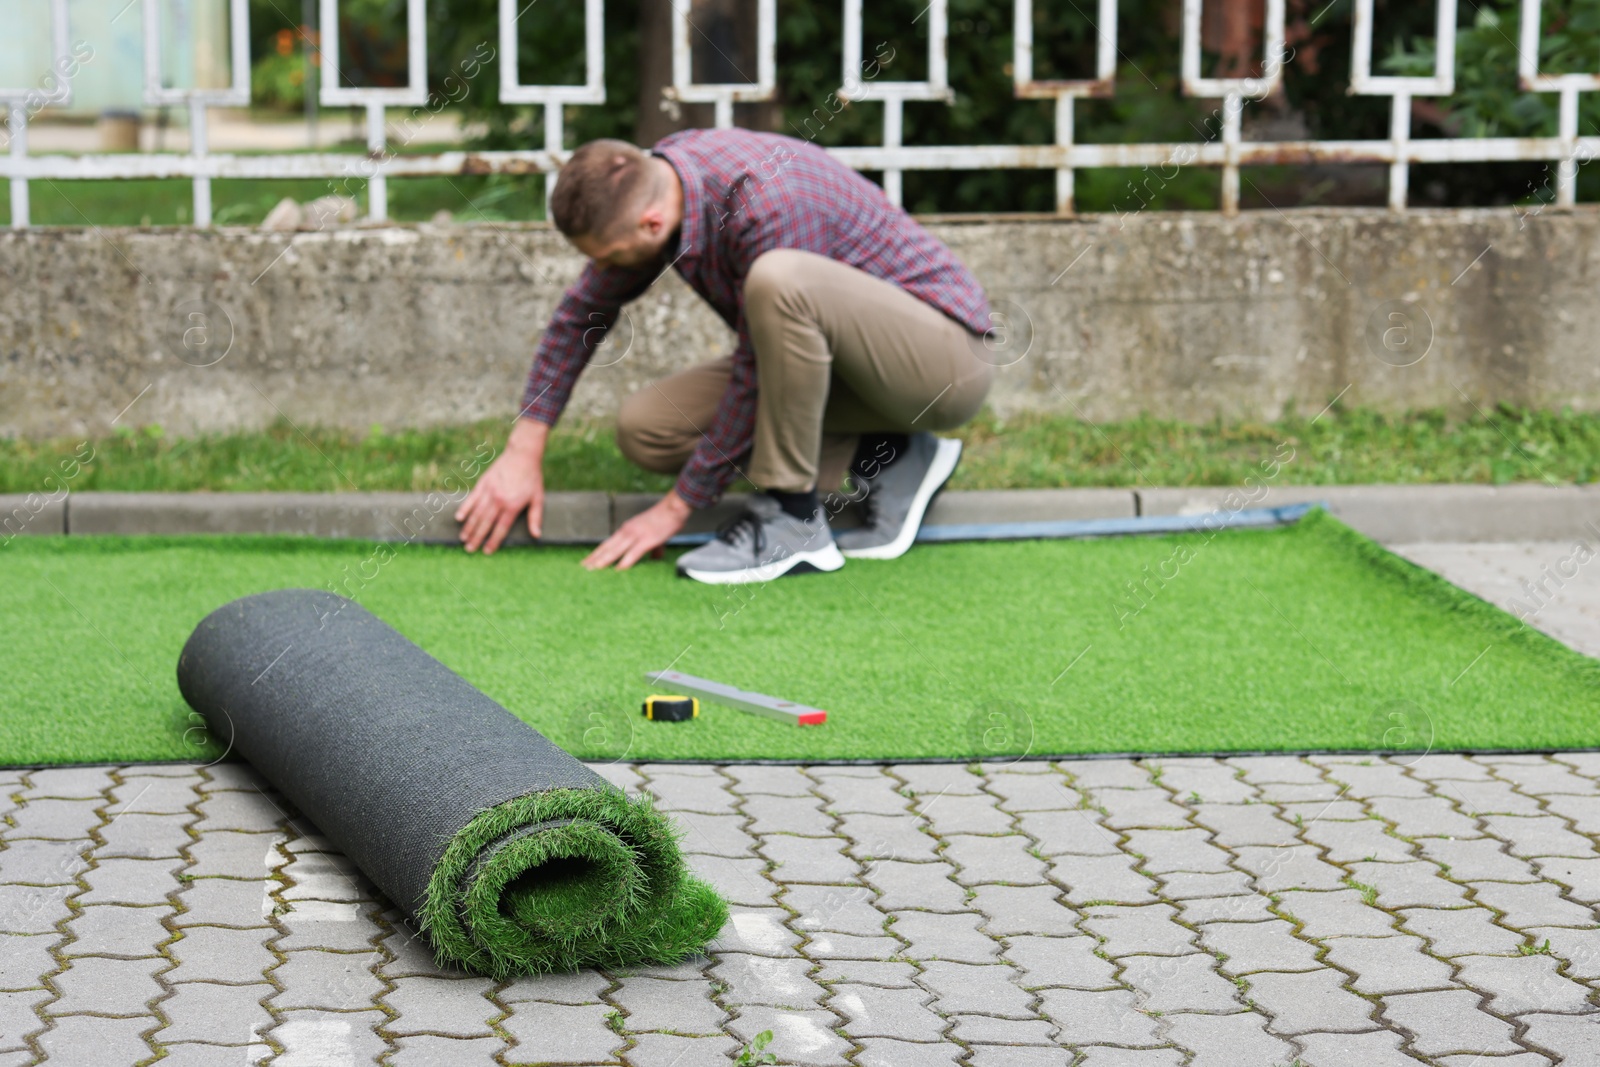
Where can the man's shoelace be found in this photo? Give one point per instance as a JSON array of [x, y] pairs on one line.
[[734, 530]]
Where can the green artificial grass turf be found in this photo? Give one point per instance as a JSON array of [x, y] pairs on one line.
[[1306, 637], [607, 889]]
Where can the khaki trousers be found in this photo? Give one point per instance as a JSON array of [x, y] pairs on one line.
[[839, 353]]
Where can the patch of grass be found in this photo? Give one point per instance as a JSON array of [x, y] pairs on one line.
[[904, 655], [1029, 451]]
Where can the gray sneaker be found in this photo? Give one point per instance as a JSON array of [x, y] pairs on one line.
[[897, 497], [763, 543]]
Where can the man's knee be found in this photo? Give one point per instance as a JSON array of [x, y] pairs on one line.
[[771, 275]]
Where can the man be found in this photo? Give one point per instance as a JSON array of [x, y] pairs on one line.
[[859, 333]]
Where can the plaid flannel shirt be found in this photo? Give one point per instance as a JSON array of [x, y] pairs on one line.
[[745, 192]]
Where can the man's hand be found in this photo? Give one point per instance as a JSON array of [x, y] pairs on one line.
[[641, 534], [513, 481]]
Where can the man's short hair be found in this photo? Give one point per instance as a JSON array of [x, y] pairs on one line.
[[604, 186]]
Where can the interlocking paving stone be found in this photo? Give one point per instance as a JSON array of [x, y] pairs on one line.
[[344, 926], [225, 902], [579, 987], [1575, 1038], [223, 1014], [683, 792], [1449, 1021], [154, 796], [455, 1007], [1518, 984], [1024, 909], [1180, 983], [1541, 835], [1359, 839], [780, 983], [1076, 831], [1378, 1048], [1477, 859], [926, 886], [71, 782], [333, 981], [316, 1038], [115, 930], [1311, 1000], [41, 862], [655, 1004], [870, 1011], [986, 1030], [562, 1034], [672, 1050], [1457, 931], [1060, 961], [18, 1016], [65, 820], [1031, 792], [998, 886], [1536, 904], [130, 881], [1103, 879], [945, 937], [1580, 948], [33, 909], [1228, 1040], [741, 881], [108, 986], [893, 974], [144, 836], [877, 796], [1254, 907], [220, 954], [809, 859], [776, 781], [90, 1041], [887, 1052], [950, 779], [787, 815], [1166, 851], [1341, 913], [1233, 825], [1394, 964], [798, 1037], [883, 837], [1406, 885], [1580, 877], [1102, 1056], [1145, 929], [430, 1050], [1111, 1017], [838, 908], [24, 960], [1259, 946], [1288, 867]]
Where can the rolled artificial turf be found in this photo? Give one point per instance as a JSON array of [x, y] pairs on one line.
[[512, 856], [1308, 637]]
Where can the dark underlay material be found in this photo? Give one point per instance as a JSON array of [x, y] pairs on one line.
[[513, 856]]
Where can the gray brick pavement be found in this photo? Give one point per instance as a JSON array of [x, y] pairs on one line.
[[1084, 913]]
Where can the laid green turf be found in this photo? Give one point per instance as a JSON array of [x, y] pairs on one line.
[[1306, 637]]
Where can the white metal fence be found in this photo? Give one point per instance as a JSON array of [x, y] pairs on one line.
[[1229, 152]]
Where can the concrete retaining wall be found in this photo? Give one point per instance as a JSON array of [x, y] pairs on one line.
[[1182, 315]]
